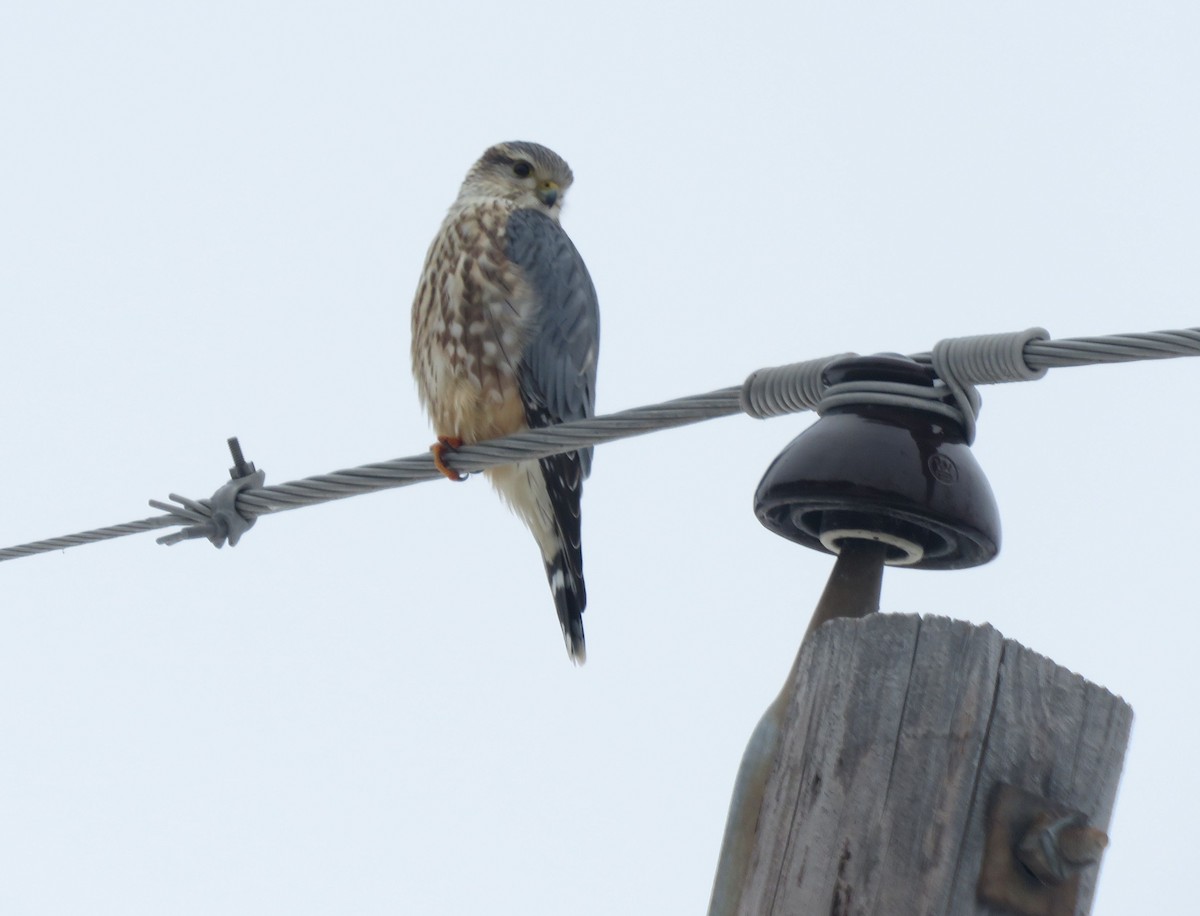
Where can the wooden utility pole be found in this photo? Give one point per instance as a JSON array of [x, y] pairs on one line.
[[913, 759], [911, 766]]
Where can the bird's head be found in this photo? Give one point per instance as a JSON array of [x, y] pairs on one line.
[[530, 175]]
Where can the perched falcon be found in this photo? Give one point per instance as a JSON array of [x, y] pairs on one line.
[[505, 334]]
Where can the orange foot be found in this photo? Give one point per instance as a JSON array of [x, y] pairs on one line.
[[439, 449]]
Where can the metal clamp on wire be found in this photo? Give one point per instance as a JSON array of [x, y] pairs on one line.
[[218, 518]]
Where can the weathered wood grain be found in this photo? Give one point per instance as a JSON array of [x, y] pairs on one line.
[[893, 731]]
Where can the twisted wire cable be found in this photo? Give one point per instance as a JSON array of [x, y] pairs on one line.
[[960, 364]]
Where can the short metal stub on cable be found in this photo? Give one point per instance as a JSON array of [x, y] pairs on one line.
[[220, 521]]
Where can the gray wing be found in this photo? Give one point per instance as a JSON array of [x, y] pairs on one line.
[[558, 365], [557, 378]]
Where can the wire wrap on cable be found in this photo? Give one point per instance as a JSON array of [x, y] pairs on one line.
[[935, 399], [986, 359], [216, 519], [960, 363], [781, 390]]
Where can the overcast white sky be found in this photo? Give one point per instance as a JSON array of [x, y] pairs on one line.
[[212, 219]]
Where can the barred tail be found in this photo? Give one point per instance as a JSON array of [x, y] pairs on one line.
[[570, 598]]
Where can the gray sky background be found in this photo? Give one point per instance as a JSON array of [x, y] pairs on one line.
[[212, 220]]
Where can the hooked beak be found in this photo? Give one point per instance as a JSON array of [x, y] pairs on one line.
[[548, 192]]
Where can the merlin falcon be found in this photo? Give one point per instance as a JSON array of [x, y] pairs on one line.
[[505, 335]]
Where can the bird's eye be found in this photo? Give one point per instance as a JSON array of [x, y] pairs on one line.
[[522, 169]]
